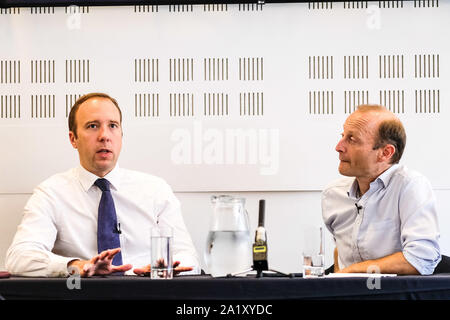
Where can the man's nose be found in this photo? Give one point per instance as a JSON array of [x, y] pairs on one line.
[[103, 133], [340, 146]]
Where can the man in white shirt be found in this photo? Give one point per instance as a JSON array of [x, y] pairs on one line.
[[384, 218], [58, 231]]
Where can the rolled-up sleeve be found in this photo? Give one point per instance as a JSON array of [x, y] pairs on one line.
[[419, 225], [30, 252]]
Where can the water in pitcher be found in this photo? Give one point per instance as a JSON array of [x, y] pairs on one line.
[[228, 246], [228, 252]]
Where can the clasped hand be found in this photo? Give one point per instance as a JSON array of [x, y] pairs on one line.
[[101, 264]]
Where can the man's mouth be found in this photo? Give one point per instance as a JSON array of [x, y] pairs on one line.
[[104, 151]]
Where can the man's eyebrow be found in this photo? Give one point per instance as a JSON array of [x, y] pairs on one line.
[[91, 121], [97, 121], [353, 133]]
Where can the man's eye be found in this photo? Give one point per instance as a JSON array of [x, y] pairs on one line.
[[92, 126], [113, 125]]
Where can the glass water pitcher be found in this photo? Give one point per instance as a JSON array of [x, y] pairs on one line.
[[228, 246]]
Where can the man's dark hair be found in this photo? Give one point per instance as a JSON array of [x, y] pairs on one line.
[[390, 131]]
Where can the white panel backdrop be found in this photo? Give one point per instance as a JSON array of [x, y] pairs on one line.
[[234, 98], [223, 97]]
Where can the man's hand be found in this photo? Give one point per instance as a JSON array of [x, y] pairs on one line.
[[145, 271], [101, 264], [336, 260]]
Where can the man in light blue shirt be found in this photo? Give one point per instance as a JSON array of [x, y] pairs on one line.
[[384, 217]]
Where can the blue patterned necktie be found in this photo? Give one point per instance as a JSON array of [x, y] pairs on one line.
[[107, 228]]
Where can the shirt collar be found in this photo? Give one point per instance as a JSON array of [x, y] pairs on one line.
[[382, 179], [353, 192], [386, 176], [87, 178]]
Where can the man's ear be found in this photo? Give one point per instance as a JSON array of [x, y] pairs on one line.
[[387, 152], [73, 139]]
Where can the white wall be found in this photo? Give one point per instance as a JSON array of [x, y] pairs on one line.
[[293, 40], [291, 75]]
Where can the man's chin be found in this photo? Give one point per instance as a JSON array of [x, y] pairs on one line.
[[102, 168], [343, 170]]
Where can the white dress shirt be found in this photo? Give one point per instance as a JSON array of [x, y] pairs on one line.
[[60, 222], [396, 214]]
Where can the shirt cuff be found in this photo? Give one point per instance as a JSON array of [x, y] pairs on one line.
[[423, 266], [57, 266]]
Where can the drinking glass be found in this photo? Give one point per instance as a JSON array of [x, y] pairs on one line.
[[161, 253], [313, 252]]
